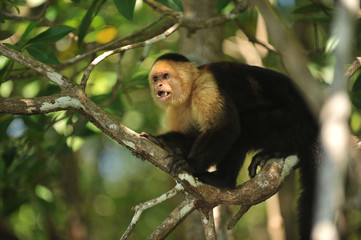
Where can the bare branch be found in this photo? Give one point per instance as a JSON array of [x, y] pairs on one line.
[[141, 207], [237, 217], [355, 65], [193, 25], [208, 224], [40, 105], [186, 207], [254, 39]]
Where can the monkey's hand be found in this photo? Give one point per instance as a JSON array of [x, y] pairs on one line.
[[156, 140], [151, 138], [178, 164], [259, 160]]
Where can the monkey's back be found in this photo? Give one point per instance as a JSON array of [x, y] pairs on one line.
[[272, 112]]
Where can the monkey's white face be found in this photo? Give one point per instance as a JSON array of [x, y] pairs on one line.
[[166, 87]]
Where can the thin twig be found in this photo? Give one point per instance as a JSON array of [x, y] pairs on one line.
[[186, 207], [244, 208], [101, 57], [143, 206], [253, 39], [321, 7], [115, 44], [355, 65]]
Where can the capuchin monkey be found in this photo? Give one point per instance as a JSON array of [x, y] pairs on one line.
[[218, 112]]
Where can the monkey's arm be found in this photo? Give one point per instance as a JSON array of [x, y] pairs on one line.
[[174, 142], [211, 146]]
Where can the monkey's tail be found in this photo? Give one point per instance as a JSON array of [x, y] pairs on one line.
[[306, 204]]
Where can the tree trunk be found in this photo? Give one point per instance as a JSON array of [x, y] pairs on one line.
[[202, 46]]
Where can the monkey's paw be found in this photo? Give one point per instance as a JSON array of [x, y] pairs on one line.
[[151, 138], [178, 164]]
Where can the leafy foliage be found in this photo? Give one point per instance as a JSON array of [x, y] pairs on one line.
[[172, 4], [58, 173]]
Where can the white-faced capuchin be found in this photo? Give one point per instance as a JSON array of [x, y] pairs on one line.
[[218, 112]]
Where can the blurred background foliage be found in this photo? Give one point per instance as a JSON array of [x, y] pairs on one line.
[[60, 177]]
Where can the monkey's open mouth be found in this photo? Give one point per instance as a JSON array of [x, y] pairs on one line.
[[163, 94]]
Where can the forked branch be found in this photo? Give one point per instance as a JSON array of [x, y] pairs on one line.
[[151, 203]]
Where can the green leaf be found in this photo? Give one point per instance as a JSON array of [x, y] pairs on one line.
[[4, 68], [2, 20], [52, 34], [88, 18], [308, 8], [357, 85], [15, 6], [311, 8], [356, 98], [314, 19], [5, 120], [125, 8], [355, 94], [5, 34], [221, 4], [42, 53], [173, 4], [27, 31]]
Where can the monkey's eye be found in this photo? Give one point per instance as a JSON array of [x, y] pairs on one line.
[[166, 75], [155, 79]]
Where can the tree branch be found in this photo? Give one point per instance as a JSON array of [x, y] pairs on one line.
[[141, 207], [57, 78], [186, 207], [208, 224], [355, 65]]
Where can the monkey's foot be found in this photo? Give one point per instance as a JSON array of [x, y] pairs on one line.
[[259, 160], [214, 179]]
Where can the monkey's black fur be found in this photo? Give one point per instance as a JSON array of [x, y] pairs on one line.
[[263, 111]]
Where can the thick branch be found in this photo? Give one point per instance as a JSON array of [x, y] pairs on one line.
[[40, 105], [39, 67]]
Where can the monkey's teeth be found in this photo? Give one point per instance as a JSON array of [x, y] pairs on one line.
[[163, 94]]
